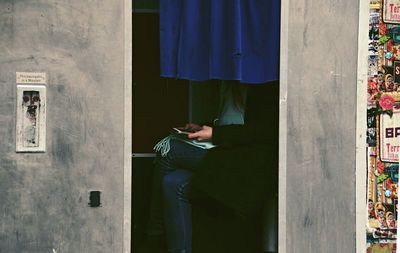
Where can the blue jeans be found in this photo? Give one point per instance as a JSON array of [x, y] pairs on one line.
[[171, 187]]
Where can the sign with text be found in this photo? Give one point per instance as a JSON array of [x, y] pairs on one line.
[[390, 137], [391, 11], [31, 78], [397, 71]]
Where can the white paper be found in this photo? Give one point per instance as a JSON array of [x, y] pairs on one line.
[[31, 78], [390, 137]]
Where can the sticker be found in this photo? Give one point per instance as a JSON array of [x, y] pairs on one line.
[[374, 18], [371, 137], [391, 11], [373, 48], [374, 4], [374, 32], [371, 118], [390, 137], [394, 33], [373, 89], [388, 84], [373, 65], [31, 78], [396, 72]]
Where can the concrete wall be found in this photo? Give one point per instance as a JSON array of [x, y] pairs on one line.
[[44, 197], [318, 119]]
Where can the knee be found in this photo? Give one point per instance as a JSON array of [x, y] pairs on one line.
[[165, 162], [176, 183], [170, 156], [176, 149]]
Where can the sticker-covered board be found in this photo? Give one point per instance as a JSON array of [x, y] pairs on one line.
[[383, 125]]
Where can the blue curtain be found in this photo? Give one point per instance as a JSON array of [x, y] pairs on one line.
[[220, 39]]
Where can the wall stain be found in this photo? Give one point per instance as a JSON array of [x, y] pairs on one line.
[[32, 58], [7, 31], [307, 222], [61, 148], [323, 156]]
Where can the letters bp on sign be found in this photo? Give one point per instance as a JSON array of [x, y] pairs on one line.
[[31, 78], [391, 11], [390, 137]]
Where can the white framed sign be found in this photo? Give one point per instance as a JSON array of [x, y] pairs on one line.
[[31, 118], [31, 78], [390, 137], [391, 11]]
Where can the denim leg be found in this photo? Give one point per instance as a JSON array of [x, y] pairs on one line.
[[181, 156], [178, 211], [155, 225]]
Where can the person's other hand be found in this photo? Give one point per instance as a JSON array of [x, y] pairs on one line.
[[193, 127], [204, 134]]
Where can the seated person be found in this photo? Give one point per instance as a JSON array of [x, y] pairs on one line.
[[239, 170]]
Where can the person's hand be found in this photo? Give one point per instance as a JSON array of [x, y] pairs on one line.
[[192, 127], [204, 134]]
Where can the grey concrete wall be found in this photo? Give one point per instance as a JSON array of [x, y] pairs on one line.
[[44, 197], [320, 78]]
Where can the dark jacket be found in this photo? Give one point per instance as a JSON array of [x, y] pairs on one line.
[[241, 172]]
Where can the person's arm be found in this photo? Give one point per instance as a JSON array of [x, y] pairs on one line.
[[241, 134], [233, 135], [204, 134], [261, 122]]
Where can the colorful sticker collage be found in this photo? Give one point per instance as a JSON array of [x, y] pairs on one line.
[[383, 122]]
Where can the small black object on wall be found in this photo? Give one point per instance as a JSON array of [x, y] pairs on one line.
[[94, 199]]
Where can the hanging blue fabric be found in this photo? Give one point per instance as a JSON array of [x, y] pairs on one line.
[[220, 39]]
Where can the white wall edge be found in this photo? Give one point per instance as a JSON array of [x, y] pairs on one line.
[[127, 222], [283, 124], [361, 145]]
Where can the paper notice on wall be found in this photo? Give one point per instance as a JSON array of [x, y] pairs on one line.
[[390, 137], [391, 11], [31, 78]]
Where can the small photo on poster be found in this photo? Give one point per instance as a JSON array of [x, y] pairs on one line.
[[371, 137], [373, 47], [374, 18], [374, 32], [373, 65], [371, 118]]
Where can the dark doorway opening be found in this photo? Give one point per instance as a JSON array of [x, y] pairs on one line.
[[158, 105]]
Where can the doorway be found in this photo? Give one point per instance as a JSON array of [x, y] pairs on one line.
[[154, 98]]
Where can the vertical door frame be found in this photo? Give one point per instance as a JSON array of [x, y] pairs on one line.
[[127, 238], [361, 126], [283, 82], [361, 150]]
